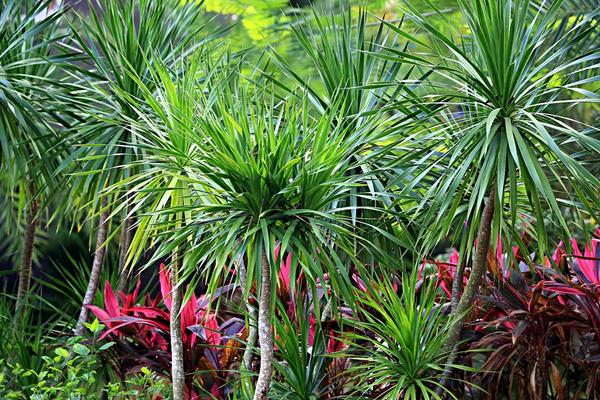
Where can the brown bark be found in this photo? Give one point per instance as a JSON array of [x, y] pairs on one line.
[[472, 288], [177, 364], [265, 338], [95, 273], [457, 285], [27, 257]]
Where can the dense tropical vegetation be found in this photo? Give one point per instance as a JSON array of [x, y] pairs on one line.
[[299, 200]]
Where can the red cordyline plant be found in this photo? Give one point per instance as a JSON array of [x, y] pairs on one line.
[[540, 323], [142, 339], [310, 341], [212, 344]]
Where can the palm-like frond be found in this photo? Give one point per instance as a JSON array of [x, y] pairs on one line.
[[303, 365], [165, 130], [121, 41], [503, 131], [267, 173], [342, 56], [29, 77], [252, 172], [352, 73]]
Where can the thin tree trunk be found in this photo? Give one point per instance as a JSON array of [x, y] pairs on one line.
[[265, 338], [125, 243], [177, 364], [457, 285], [252, 331], [27, 257], [472, 288], [96, 269]]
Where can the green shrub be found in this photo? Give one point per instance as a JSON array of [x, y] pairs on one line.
[[71, 372]]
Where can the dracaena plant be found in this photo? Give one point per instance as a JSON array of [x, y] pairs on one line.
[[120, 42], [342, 51], [164, 122], [501, 143], [397, 349], [306, 345], [268, 172], [30, 83], [349, 70]]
